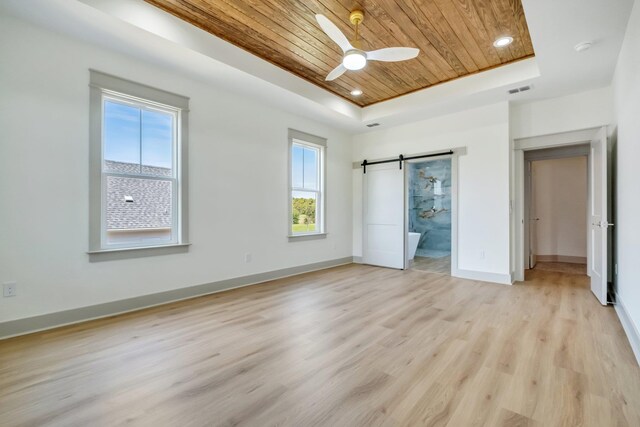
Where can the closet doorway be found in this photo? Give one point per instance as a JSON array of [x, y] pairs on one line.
[[599, 254], [556, 209]]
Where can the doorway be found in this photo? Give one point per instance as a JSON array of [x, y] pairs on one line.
[[429, 215], [556, 207], [385, 208], [599, 229]]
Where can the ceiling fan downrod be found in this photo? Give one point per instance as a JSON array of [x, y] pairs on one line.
[[356, 17]]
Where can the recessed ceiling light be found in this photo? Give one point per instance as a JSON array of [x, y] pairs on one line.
[[503, 41], [356, 92], [581, 47]]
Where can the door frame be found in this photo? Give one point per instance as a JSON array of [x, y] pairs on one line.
[[454, 207], [521, 145], [528, 192]]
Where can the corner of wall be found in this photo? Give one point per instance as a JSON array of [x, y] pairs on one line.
[[630, 329]]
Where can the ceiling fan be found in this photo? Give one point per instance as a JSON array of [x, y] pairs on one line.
[[354, 57]]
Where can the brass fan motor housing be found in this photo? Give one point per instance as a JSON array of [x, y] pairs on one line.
[[356, 17]]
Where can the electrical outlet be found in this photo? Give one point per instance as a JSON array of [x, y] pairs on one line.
[[247, 258], [9, 289]]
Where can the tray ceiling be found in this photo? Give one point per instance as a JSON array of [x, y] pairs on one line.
[[455, 38]]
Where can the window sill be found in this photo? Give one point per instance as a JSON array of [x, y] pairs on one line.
[[303, 237], [137, 252]]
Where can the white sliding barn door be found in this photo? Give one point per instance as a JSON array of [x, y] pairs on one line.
[[598, 216], [383, 202]]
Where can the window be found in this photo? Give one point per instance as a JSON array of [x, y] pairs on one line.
[[306, 184], [138, 166]]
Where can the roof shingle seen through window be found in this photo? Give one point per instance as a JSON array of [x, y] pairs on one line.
[[135, 169], [151, 206]]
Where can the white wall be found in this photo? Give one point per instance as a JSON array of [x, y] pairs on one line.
[[582, 110], [483, 178], [560, 201], [626, 86], [237, 172]]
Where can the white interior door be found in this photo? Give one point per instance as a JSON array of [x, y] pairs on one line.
[[533, 219], [598, 216], [383, 199]]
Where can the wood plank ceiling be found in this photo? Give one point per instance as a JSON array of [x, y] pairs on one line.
[[455, 38]]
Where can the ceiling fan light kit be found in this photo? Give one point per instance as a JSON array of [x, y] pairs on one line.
[[355, 58]]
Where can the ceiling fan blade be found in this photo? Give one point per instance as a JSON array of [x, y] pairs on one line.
[[393, 54], [337, 72], [334, 32]]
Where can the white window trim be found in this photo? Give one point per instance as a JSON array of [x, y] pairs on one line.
[[320, 143], [104, 85]]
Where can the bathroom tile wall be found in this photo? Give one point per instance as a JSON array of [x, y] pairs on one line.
[[430, 206]]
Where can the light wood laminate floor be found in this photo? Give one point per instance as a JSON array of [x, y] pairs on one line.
[[562, 267], [350, 346], [433, 265]]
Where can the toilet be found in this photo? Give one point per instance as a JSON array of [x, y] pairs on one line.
[[414, 239]]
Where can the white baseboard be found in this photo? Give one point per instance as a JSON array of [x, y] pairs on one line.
[[629, 328], [562, 258], [12, 328], [503, 279], [357, 260]]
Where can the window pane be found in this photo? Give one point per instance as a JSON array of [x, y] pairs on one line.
[[296, 165], [304, 209], [121, 137], [310, 168], [157, 143], [138, 210]]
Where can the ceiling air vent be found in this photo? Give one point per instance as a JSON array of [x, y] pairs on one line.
[[519, 89], [372, 125]]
